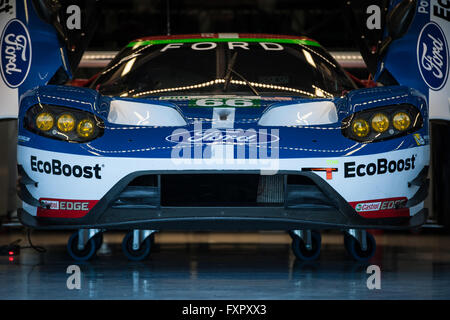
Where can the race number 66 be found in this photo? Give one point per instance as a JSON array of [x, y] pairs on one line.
[[217, 102]]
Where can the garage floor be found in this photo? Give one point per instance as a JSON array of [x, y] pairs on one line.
[[229, 266]]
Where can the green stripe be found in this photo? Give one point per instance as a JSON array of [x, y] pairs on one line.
[[275, 40]]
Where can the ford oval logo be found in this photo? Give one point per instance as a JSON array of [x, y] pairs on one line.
[[229, 136], [432, 56], [15, 53]]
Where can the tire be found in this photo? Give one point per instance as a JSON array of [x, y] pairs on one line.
[[136, 255], [354, 248], [89, 251], [301, 252]]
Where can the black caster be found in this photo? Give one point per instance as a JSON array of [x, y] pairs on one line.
[[300, 250], [353, 247], [89, 251], [136, 255]]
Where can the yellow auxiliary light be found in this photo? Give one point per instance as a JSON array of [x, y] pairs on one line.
[[360, 127], [401, 121], [85, 128], [66, 122], [380, 122], [44, 121]]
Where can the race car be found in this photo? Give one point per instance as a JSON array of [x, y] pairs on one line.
[[223, 131]]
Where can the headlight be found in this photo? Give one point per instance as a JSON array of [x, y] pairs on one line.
[[401, 121], [382, 123], [360, 127], [85, 128], [44, 121], [63, 123], [66, 122]]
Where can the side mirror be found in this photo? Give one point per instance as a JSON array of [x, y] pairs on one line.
[[398, 21]]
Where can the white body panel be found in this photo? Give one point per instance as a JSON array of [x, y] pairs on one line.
[[302, 114], [143, 114], [377, 186]]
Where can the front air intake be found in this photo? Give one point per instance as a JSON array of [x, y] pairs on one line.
[[228, 190], [222, 190]]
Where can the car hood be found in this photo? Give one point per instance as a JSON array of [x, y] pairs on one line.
[[223, 111]]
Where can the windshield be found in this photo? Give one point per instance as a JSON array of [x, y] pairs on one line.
[[214, 67]]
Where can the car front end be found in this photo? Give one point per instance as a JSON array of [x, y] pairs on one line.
[[234, 150]]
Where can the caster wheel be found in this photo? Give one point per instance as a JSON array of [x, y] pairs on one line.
[[86, 254], [301, 252], [136, 255], [354, 248]]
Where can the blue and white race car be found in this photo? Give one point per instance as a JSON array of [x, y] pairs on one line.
[[222, 131]]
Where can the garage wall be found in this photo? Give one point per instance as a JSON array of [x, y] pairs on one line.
[[8, 171]]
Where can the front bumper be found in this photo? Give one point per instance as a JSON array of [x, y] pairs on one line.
[[228, 219], [331, 212]]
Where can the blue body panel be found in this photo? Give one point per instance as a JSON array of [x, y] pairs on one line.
[[44, 55], [151, 142], [406, 58]]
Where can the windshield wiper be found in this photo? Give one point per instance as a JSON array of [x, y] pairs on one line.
[[231, 70]]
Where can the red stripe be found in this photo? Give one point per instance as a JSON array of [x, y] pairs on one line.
[[66, 208], [329, 174], [381, 208], [397, 213]]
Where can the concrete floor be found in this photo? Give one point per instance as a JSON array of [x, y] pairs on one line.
[[228, 266]]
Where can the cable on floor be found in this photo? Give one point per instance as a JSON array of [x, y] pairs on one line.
[[31, 245], [14, 248]]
